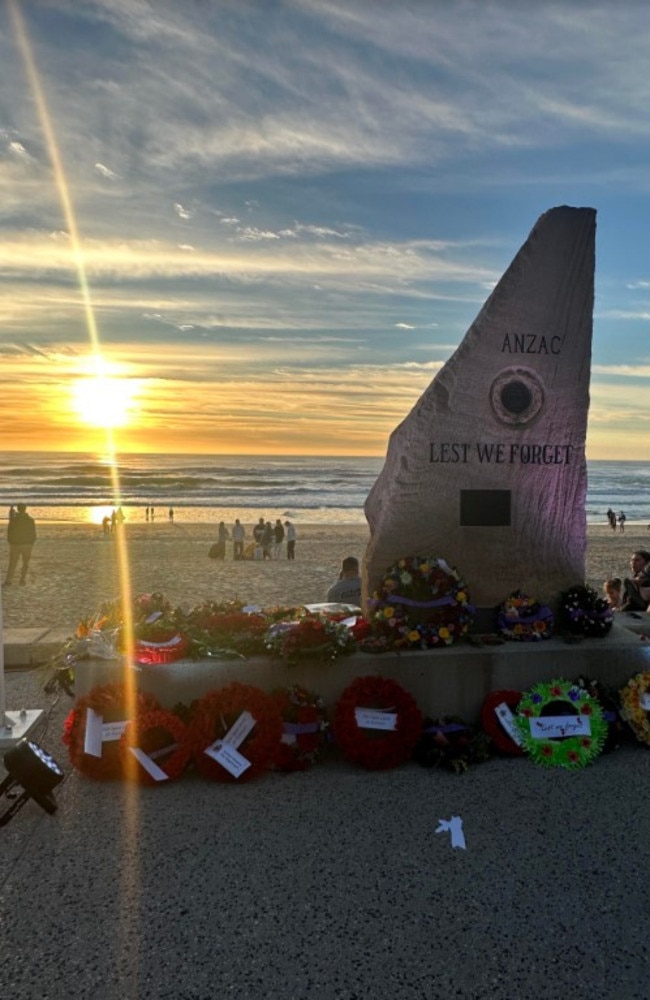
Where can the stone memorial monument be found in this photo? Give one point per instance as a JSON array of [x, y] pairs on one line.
[[488, 470]]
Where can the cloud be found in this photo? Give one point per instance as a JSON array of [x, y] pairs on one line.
[[105, 172]]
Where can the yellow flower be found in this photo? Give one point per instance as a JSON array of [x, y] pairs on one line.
[[388, 612], [414, 636], [444, 633], [461, 596], [425, 568]]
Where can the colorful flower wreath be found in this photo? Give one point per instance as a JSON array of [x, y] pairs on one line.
[[563, 700], [582, 612], [304, 728], [376, 723], [112, 702], [309, 636], [522, 618], [498, 722], [216, 628], [618, 731], [450, 742], [635, 705], [421, 602], [215, 715], [162, 738]]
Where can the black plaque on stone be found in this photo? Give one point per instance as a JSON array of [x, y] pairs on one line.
[[485, 508]]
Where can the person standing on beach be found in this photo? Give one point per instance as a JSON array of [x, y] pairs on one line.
[[611, 517], [621, 521], [267, 540], [290, 533], [258, 535], [171, 515], [21, 535], [278, 538], [238, 536]]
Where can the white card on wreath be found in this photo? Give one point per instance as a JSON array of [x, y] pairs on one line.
[[93, 734], [112, 731], [226, 755], [375, 718], [550, 727], [149, 765], [504, 714], [644, 701], [239, 730]]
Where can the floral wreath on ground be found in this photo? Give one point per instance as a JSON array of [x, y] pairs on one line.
[[582, 612], [498, 722], [635, 705], [214, 716], [448, 741], [309, 635], [163, 738], [376, 723], [421, 603], [521, 618], [304, 728], [568, 700], [111, 702]]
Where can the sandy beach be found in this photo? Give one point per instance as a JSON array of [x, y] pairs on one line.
[[75, 567]]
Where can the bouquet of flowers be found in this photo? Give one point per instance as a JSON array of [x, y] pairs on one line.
[[309, 636], [582, 612]]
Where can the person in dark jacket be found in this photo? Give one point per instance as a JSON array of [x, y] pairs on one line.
[[21, 535]]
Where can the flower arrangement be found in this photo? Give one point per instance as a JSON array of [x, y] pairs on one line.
[[214, 717], [635, 705], [112, 703], [582, 612], [216, 629], [304, 728], [573, 720], [451, 743], [421, 603], [309, 635], [608, 697], [521, 618], [376, 723], [163, 738], [499, 724]]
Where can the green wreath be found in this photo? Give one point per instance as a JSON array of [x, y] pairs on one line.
[[561, 698]]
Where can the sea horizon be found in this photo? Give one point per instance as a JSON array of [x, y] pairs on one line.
[[80, 487]]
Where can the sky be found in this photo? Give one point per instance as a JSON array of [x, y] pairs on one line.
[[262, 226]]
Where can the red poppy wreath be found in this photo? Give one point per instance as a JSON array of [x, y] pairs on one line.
[[304, 728], [235, 733], [376, 723], [497, 720], [93, 729], [155, 747]]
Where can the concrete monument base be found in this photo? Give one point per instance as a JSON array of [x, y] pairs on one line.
[[450, 681]]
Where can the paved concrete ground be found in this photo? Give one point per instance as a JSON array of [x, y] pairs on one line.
[[331, 885]]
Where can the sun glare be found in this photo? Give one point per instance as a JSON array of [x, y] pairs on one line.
[[104, 401]]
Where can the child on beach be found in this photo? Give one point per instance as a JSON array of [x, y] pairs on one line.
[[614, 592]]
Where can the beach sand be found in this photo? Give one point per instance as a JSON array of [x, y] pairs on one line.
[[75, 567]]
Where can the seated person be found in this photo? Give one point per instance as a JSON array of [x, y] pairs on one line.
[[347, 589], [614, 592], [637, 587]]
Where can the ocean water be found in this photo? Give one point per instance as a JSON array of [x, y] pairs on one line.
[[331, 490]]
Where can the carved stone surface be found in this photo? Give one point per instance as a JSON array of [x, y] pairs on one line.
[[488, 470]]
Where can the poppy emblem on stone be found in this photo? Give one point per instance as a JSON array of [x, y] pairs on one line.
[[517, 396]]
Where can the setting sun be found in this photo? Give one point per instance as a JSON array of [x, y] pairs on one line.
[[104, 401]]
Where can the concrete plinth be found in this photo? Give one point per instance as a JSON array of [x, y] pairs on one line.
[[452, 681]]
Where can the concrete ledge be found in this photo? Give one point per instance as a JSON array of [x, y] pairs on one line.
[[29, 647], [448, 681]]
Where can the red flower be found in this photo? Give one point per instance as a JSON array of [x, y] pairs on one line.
[[573, 756], [585, 742], [556, 691], [527, 712], [586, 710], [547, 750]]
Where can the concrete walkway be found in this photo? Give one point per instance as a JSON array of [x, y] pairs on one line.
[[331, 884]]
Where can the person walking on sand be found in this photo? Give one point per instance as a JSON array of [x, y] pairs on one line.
[[21, 535], [621, 521], [171, 515]]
